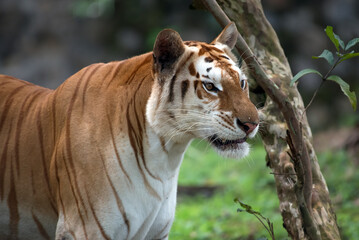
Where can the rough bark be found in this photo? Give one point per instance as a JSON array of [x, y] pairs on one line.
[[304, 198]]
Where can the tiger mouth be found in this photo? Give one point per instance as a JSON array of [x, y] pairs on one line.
[[225, 144]]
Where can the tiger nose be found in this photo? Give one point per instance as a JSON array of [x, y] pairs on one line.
[[247, 127]]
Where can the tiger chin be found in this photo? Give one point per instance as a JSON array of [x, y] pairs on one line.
[[99, 157]]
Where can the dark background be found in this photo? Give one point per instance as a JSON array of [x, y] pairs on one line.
[[46, 41]]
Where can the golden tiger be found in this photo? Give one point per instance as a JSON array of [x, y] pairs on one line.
[[99, 157]]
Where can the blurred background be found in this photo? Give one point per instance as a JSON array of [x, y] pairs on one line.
[[46, 41]]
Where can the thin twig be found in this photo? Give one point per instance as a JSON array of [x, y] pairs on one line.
[[264, 225], [311, 100], [331, 69], [321, 84]]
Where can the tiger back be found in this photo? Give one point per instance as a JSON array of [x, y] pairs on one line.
[[99, 157]]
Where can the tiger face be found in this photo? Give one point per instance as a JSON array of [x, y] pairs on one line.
[[200, 92]]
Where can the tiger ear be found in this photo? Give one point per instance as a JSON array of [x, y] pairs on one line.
[[167, 50], [228, 36]]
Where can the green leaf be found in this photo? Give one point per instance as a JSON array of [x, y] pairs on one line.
[[341, 43], [329, 31], [302, 73], [327, 55], [348, 56], [346, 89], [352, 43]]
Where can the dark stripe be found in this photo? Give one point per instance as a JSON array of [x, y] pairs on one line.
[[109, 71], [222, 56], [133, 139], [172, 83], [87, 81], [75, 197], [141, 65], [224, 125], [18, 133], [171, 115], [205, 76], [115, 71], [184, 88], [13, 207], [163, 229], [163, 144], [201, 51], [208, 59], [117, 197], [41, 228], [33, 183], [226, 120], [181, 64], [164, 237], [192, 69], [8, 104], [43, 158], [140, 127], [58, 184], [23, 112], [103, 233], [116, 151], [196, 82], [199, 94], [54, 115], [208, 69], [209, 49], [132, 76], [3, 163], [6, 82]]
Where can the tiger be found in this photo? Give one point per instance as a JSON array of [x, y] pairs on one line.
[[99, 157]]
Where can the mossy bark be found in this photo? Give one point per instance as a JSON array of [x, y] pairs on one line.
[[262, 39]]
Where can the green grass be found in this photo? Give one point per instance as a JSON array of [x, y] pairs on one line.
[[199, 217], [217, 217]]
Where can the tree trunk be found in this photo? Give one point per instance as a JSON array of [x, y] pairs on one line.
[[261, 38]]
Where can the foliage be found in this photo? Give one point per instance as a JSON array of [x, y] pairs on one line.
[[334, 62]]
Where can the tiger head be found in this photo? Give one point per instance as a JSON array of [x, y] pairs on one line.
[[200, 92]]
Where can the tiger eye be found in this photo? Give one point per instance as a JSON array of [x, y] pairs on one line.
[[209, 86]]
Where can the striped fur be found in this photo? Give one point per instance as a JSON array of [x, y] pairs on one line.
[[98, 158]]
